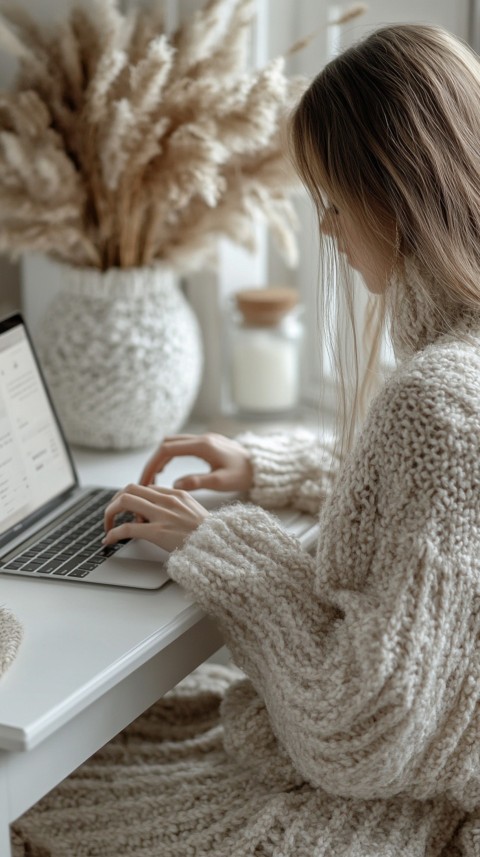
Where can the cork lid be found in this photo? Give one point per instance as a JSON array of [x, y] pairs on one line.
[[266, 307]]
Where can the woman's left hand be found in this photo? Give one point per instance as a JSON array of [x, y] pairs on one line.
[[163, 516]]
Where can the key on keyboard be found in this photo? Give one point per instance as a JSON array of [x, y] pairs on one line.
[[73, 548]]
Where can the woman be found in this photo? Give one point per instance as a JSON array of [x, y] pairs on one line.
[[354, 729]]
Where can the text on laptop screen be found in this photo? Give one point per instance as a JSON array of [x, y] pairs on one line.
[[34, 465]]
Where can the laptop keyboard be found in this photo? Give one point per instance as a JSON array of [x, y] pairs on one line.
[[73, 548]]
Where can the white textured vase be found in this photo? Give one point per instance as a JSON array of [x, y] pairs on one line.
[[122, 354]]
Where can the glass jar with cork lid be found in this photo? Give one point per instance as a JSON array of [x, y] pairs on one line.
[[264, 345]]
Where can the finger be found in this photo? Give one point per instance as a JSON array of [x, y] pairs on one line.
[[129, 530], [152, 467], [123, 504], [137, 499], [173, 437], [177, 446], [110, 512], [190, 482], [214, 481], [175, 498], [163, 489], [141, 500]]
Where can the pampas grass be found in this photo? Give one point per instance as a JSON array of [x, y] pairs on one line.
[[122, 146]]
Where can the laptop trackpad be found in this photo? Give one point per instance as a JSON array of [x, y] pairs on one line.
[[138, 564], [139, 549]]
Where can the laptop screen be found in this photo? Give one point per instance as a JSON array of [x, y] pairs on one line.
[[35, 466]]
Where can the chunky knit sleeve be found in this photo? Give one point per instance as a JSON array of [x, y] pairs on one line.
[[291, 469], [366, 657]]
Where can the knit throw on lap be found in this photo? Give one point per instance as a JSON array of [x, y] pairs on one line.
[[166, 787], [354, 728]]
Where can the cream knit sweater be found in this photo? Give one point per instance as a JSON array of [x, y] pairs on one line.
[[354, 728]]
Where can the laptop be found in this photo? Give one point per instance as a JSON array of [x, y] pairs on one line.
[[51, 527]]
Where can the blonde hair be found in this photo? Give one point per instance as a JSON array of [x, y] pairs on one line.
[[391, 129]]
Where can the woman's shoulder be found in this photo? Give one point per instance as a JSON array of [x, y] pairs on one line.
[[447, 369], [434, 394], [454, 353]]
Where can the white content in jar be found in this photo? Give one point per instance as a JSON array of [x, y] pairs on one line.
[[264, 371], [264, 350]]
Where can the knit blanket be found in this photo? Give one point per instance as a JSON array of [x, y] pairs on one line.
[[10, 638], [166, 787]]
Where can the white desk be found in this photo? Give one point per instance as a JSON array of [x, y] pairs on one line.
[[55, 708]]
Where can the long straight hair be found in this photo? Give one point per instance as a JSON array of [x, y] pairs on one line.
[[390, 129]]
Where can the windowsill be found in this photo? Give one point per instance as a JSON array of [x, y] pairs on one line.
[[305, 416]]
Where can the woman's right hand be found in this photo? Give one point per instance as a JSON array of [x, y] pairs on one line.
[[230, 465]]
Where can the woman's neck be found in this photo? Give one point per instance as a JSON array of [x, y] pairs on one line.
[[416, 316]]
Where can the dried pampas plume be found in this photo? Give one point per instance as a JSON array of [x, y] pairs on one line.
[[122, 146]]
